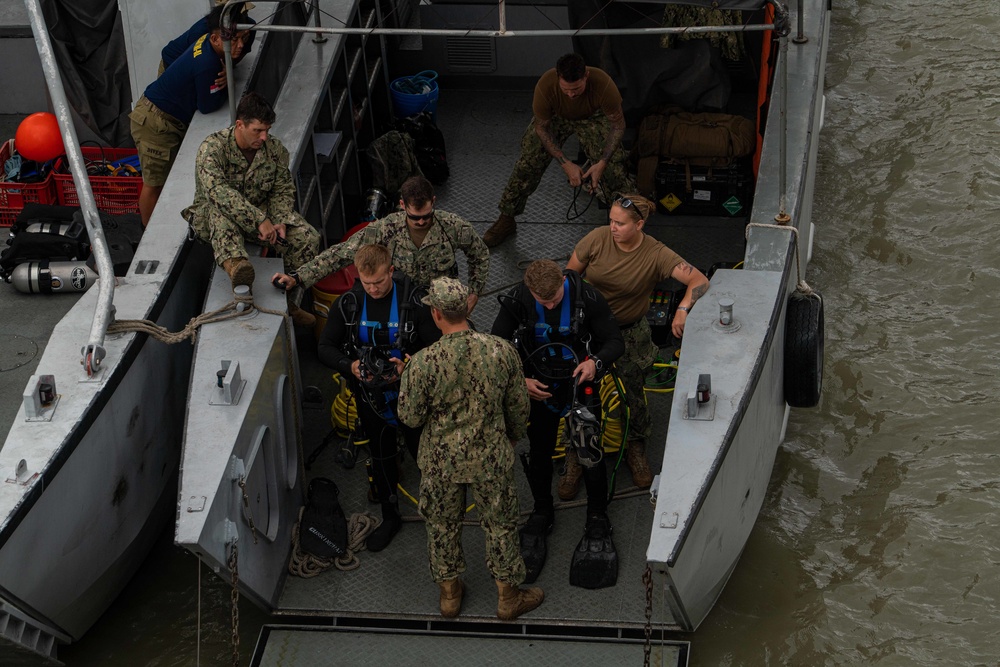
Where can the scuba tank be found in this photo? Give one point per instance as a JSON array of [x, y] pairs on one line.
[[45, 277]]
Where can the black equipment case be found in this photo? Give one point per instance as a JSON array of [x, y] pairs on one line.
[[683, 189]]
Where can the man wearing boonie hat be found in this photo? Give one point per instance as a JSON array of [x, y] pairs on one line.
[[467, 390]]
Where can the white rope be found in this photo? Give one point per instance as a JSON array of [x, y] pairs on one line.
[[802, 288], [305, 565], [227, 312]]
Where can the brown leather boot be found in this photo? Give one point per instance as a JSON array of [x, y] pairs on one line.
[[500, 230], [240, 271], [569, 481], [300, 318], [642, 476], [451, 597], [514, 601]]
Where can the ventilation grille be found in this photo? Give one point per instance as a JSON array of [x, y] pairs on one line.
[[472, 54]]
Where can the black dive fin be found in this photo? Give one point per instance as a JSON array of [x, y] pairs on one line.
[[534, 547], [533, 551], [595, 560], [323, 527]]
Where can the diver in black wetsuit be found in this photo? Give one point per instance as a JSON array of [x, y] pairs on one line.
[[381, 321], [568, 339]]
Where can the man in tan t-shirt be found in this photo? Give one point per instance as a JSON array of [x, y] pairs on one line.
[[569, 99]]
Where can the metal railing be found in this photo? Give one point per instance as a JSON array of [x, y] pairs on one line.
[[93, 352]]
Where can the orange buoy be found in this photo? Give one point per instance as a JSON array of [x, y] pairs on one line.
[[38, 137]]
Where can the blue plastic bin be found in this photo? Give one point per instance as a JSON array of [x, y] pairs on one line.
[[413, 94]]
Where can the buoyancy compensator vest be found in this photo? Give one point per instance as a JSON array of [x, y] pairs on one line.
[[376, 343]]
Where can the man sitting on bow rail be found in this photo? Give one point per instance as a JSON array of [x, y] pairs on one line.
[[244, 192], [568, 339], [379, 323]]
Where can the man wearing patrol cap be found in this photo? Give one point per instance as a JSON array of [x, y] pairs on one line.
[[468, 392]]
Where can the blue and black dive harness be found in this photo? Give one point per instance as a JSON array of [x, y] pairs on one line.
[[376, 344], [546, 349]]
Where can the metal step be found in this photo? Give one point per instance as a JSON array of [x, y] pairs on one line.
[[24, 641], [291, 646]]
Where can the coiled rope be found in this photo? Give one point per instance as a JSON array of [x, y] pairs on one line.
[[305, 565]]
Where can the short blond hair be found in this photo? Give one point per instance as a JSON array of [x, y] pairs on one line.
[[543, 277], [371, 258], [640, 209]]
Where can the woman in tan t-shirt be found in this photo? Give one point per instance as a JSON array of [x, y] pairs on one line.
[[625, 264]]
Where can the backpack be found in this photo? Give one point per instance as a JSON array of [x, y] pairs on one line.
[[429, 142], [393, 159], [699, 139]]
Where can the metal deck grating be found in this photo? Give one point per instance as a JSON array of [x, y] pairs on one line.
[[294, 646], [396, 582]]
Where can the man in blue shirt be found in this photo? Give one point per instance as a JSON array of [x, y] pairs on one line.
[[175, 47], [161, 116]]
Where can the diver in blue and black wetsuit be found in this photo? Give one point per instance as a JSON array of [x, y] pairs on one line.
[[568, 339], [379, 322]]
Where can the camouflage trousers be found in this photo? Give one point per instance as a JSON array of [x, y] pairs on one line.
[[442, 504], [229, 240], [534, 160], [632, 367]]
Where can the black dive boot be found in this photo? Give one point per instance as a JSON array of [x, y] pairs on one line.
[[382, 536], [595, 560], [533, 543]]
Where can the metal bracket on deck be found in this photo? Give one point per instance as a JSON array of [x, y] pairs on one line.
[[700, 403], [196, 503], [230, 383], [40, 399], [21, 474], [726, 323]]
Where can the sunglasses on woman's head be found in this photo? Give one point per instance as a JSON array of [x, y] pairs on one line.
[[624, 202]]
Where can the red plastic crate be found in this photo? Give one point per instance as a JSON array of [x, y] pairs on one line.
[[13, 196], [114, 194]]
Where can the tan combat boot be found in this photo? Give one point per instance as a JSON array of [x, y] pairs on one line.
[[514, 601], [240, 271], [451, 597], [500, 230], [300, 318], [636, 457], [569, 481]]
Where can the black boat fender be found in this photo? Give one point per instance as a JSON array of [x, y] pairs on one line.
[[804, 343]]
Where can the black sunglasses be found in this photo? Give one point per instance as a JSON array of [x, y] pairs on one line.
[[624, 202], [420, 218]]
